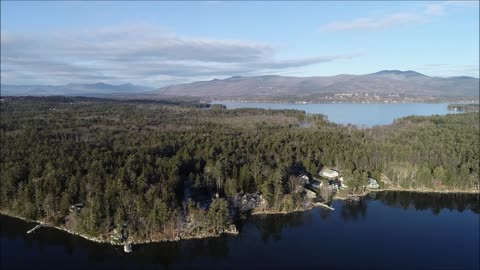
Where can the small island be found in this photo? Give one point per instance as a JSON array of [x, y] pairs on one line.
[[138, 171]]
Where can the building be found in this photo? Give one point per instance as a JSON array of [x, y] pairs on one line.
[[329, 174], [341, 183], [76, 207], [310, 194], [372, 183], [304, 179], [317, 184]]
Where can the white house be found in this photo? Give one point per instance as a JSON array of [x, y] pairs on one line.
[[372, 183]]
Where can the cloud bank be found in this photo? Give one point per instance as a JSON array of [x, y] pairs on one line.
[[140, 54]]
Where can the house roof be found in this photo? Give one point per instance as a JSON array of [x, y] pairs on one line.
[[329, 171]]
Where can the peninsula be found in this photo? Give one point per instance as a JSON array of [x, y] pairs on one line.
[[142, 171]]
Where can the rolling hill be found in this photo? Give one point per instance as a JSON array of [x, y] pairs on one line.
[[382, 82], [92, 90], [385, 82]]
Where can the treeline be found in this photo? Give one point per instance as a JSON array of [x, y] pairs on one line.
[[135, 164], [70, 99], [464, 107]]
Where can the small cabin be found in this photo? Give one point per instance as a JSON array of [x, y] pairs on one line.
[[372, 183], [310, 194], [341, 183], [76, 207], [317, 184], [303, 179]]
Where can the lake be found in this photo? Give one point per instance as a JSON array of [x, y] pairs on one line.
[[394, 230], [360, 114]]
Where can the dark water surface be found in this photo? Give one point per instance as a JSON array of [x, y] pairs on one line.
[[390, 230]]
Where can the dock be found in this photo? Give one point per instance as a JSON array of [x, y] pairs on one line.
[[34, 228], [323, 205], [127, 248]]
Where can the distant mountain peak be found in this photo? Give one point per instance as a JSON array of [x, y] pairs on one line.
[[101, 84], [89, 89], [385, 82], [407, 73], [234, 78]]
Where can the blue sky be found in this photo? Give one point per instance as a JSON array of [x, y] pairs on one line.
[[161, 43]]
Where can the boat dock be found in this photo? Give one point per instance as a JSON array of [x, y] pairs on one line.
[[34, 228], [127, 248], [323, 205]]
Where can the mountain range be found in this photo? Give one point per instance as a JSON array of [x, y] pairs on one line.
[[386, 82], [73, 89], [382, 82]]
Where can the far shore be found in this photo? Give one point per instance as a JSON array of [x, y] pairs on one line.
[[421, 190], [254, 213]]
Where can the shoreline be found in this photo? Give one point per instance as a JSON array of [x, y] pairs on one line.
[[276, 212], [368, 191], [290, 102], [44, 224], [103, 241], [254, 213]]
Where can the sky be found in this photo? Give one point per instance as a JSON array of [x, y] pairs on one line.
[[162, 43]]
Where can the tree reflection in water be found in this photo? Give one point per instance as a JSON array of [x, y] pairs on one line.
[[272, 225], [203, 253], [324, 213], [164, 253], [433, 201], [354, 211]]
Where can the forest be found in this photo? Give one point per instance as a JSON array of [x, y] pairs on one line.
[[147, 168]]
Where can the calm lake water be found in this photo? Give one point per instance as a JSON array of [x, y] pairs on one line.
[[394, 230], [364, 115]]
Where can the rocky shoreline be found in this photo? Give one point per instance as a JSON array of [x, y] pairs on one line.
[[230, 230]]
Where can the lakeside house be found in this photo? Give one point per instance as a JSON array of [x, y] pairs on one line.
[[317, 184], [329, 173], [341, 183], [372, 183], [304, 179], [76, 207], [310, 194]]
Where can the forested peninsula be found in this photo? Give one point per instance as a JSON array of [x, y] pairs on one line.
[[168, 170]]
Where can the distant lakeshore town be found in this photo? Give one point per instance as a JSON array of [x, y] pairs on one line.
[[355, 98]]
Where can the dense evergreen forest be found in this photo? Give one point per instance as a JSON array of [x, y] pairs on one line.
[[133, 164]]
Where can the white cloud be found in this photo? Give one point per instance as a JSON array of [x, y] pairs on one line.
[[435, 9], [141, 54], [396, 19], [373, 23]]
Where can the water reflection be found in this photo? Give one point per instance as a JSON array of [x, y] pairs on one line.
[[168, 253], [324, 213], [433, 201], [354, 211], [274, 234], [160, 254], [271, 226]]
